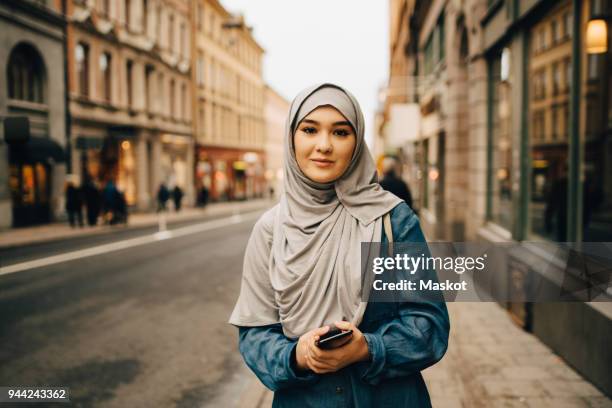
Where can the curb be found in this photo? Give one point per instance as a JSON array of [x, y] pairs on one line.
[[107, 229]]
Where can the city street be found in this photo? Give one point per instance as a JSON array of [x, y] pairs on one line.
[[143, 326], [146, 325]]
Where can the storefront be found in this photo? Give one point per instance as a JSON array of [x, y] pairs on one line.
[[31, 169], [229, 174], [549, 155], [32, 160], [175, 160]]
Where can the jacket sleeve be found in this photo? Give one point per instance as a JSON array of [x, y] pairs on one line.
[[417, 337], [271, 356]]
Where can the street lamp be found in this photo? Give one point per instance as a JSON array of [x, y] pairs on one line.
[[597, 36]]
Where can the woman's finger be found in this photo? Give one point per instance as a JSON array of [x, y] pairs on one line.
[[319, 367], [344, 325]]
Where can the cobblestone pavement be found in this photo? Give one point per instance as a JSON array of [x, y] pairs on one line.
[[491, 362]]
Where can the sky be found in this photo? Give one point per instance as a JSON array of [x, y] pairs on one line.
[[312, 41]]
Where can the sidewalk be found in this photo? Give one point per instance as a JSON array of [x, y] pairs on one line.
[[55, 231], [490, 362]]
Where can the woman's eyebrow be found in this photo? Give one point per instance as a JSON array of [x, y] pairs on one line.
[[314, 122]]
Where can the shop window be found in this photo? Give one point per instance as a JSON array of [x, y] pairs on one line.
[[548, 150], [596, 135], [25, 74]]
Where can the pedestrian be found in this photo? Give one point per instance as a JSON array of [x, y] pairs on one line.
[[110, 195], [163, 195], [204, 196], [120, 212], [302, 270], [392, 183], [177, 197], [74, 203], [92, 202]]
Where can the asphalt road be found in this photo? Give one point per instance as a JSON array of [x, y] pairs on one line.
[[139, 327]]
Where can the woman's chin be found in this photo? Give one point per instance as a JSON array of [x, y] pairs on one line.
[[322, 176]]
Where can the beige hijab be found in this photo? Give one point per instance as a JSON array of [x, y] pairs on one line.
[[313, 261]]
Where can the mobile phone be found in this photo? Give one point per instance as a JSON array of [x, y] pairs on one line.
[[334, 338]]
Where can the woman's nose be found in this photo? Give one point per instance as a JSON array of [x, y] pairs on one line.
[[324, 143]]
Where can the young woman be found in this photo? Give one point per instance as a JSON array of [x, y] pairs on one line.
[[302, 271]]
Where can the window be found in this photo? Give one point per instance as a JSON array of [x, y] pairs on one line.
[[172, 98], [429, 58], [201, 119], [129, 83], [148, 84], [555, 122], [567, 25], [199, 16], [501, 170], [200, 69], [556, 74], [81, 56], [170, 32], [161, 97], [541, 46], [159, 23], [183, 40], [105, 7], [441, 39], [145, 16], [213, 75], [25, 74], [556, 35], [185, 102], [128, 14], [105, 75]]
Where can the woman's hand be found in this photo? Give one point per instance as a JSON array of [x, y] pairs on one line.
[[303, 345], [326, 361]]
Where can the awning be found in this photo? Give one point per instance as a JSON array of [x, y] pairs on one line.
[[38, 149]]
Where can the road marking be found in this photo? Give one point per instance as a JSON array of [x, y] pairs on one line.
[[130, 243]]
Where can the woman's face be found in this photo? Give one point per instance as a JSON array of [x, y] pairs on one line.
[[324, 142]]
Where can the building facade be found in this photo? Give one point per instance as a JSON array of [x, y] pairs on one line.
[[228, 104], [129, 66], [276, 111], [515, 146], [32, 86]]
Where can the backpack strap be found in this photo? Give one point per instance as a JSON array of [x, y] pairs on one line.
[[388, 232]]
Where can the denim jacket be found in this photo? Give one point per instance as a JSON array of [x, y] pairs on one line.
[[403, 339]]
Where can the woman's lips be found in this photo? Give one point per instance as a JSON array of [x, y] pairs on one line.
[[322, 163]]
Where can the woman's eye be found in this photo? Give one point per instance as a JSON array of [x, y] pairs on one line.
[[342, 132], [309, 130]]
